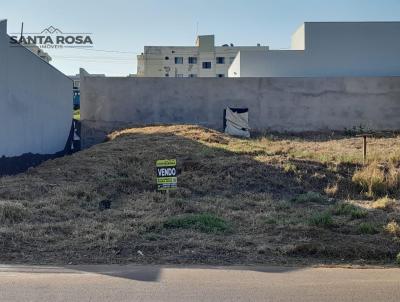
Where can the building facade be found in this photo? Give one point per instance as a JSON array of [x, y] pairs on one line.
[[328, 49], [35, 102], [202, 60]]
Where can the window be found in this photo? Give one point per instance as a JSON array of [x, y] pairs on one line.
[[166, 58], [192, 60], [206, 65], [178, 60], [77, 83], [192, 75], [221, 75], [179, 75], [220, 60]]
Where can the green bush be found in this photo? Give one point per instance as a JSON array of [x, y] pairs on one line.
[[206, 223]]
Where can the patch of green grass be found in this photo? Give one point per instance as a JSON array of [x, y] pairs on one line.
[[206, 223], [349, 209], [310, 197], [368, 228], [323, 220]]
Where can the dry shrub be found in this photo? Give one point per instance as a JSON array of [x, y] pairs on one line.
[[12, 212], [393, 228], [378, 179], [332, 190]]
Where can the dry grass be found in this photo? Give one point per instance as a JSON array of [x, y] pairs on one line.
[[12, 212], [378, 179], [393, 228], [384, 203], [234, 204]]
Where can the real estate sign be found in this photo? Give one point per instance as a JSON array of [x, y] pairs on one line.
[[166, 174]]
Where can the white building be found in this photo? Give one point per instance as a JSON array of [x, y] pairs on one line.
[[325, 49], [35, 102], [203, 60]]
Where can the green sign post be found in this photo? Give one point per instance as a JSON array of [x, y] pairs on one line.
[[166, 175]]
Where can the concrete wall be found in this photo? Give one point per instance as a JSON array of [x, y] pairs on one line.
[[280, 104], [35, 102], [331, 49]]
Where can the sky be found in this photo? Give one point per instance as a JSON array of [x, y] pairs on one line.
[[121, 28]]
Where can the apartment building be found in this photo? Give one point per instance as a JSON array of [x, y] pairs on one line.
[[202, 60]]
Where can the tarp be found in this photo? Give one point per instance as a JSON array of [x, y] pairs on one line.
[[237, 124]]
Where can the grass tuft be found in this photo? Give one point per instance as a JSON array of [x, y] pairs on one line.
[[323, 220], [206, 223], [289, 168], [349, 209], [368, 228], [384, 203], [310, 197], [393, 228]]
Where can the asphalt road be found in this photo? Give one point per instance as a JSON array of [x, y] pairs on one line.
[[161, 283]]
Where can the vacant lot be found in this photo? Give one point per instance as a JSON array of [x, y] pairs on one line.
[[271, 199]]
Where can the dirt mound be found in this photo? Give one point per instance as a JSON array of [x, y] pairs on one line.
[[239, 201]]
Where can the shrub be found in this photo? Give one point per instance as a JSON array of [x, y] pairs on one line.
[[368, 228], [310, 197], [377, 179], [349, 209], [12, 212], [323, 219], [384, 203], [206, 223], [398, 259], [393, 228]]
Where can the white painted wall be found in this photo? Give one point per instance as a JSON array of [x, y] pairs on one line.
[[331, 49], [35, 102]]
